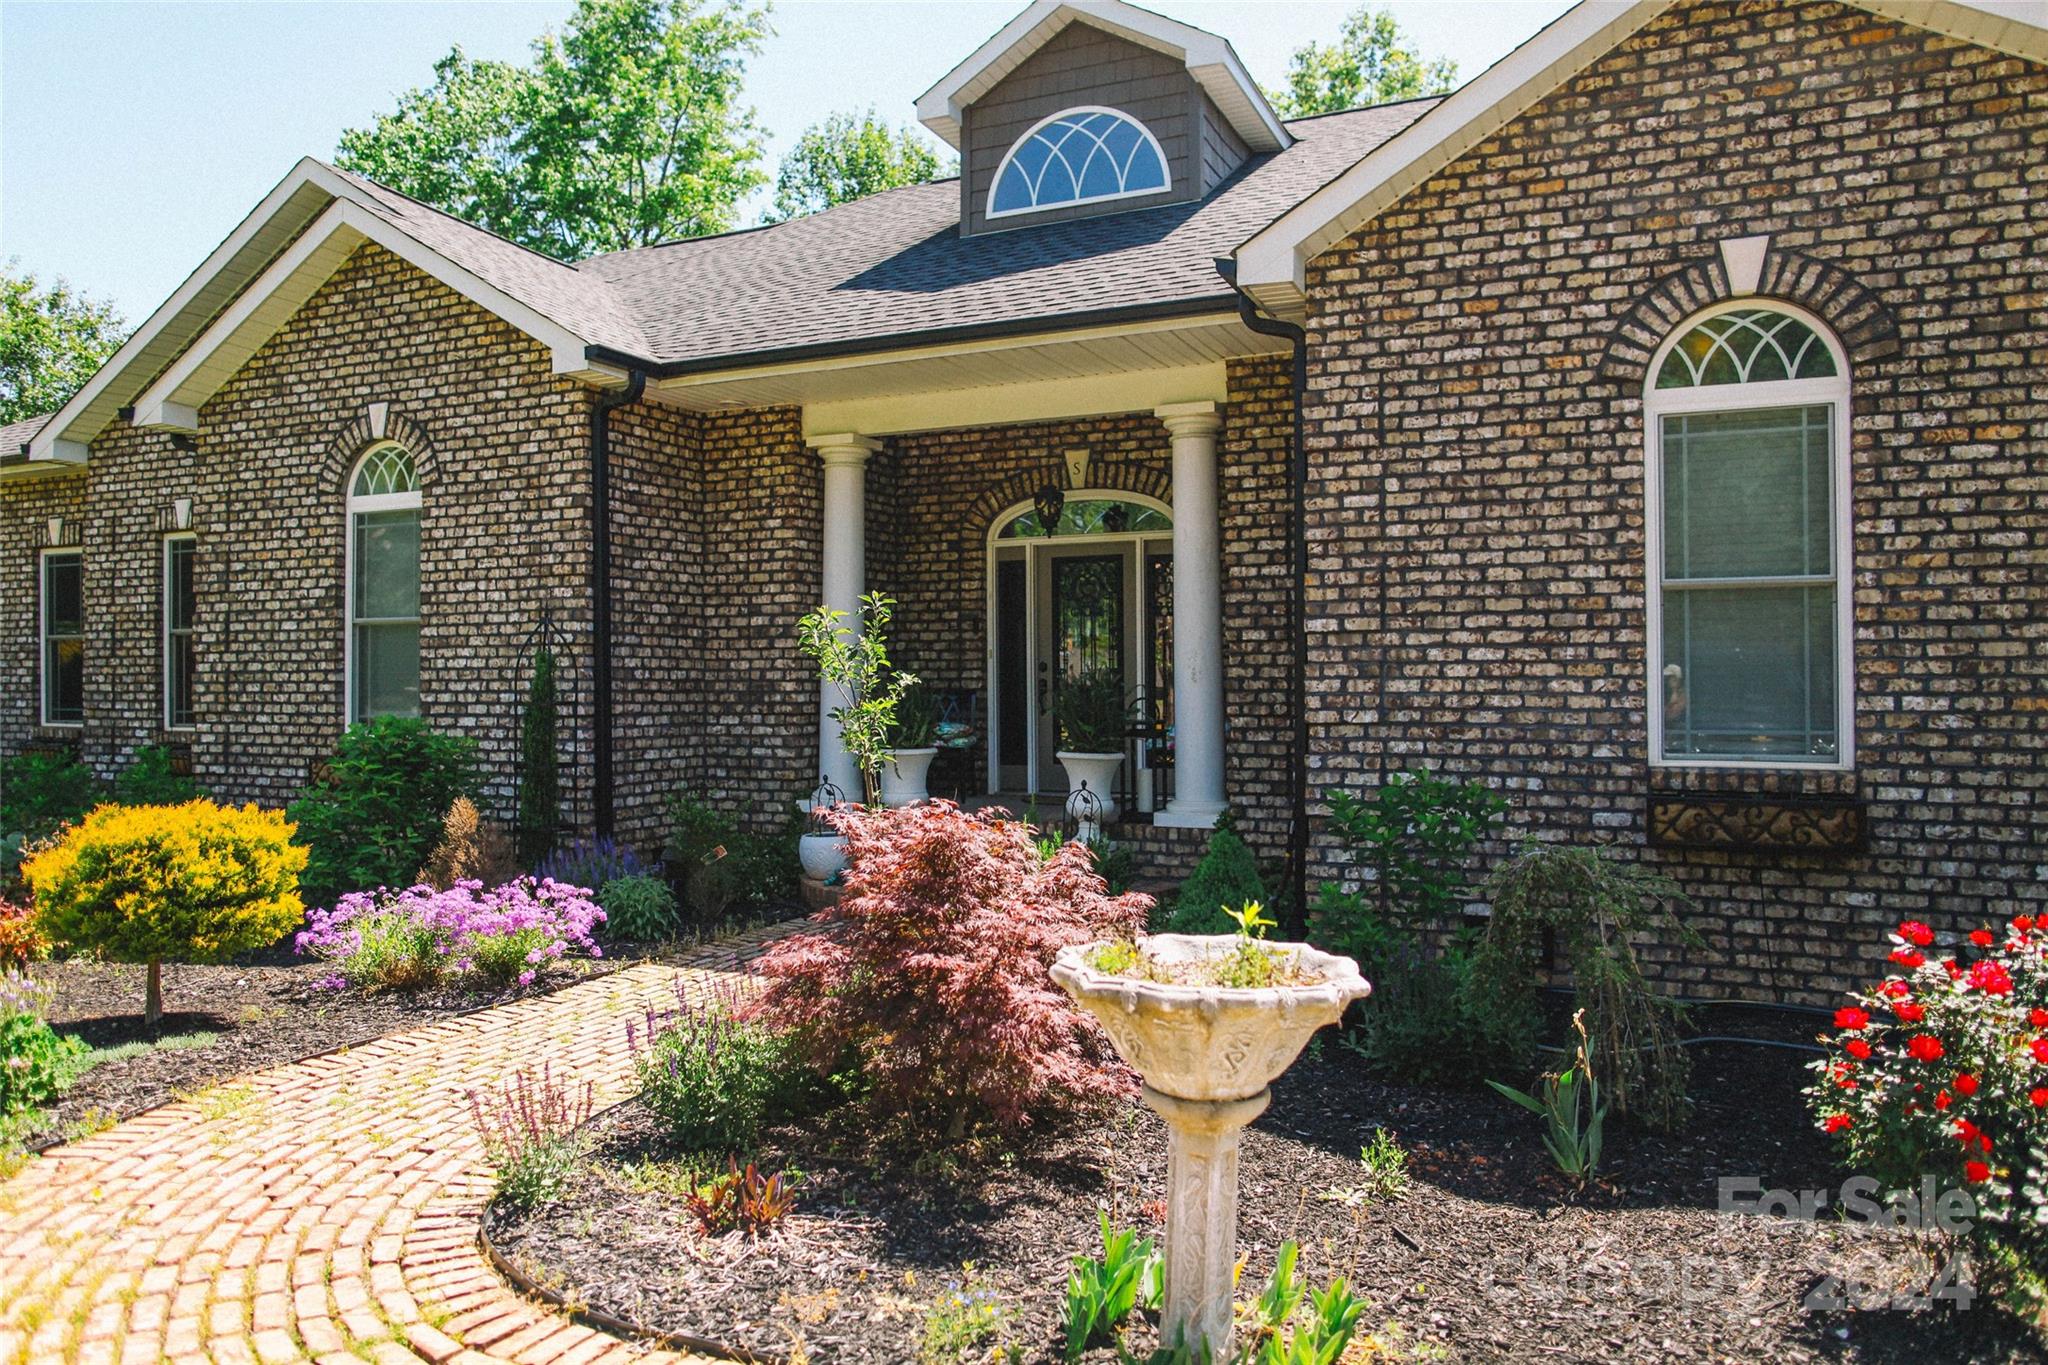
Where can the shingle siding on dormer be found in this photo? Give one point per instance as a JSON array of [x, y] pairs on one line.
[[1084, 65]]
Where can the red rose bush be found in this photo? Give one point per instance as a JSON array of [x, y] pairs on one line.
[[1941, 1070], [931, 976]]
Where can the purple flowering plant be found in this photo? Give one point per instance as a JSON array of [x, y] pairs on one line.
[[420, 936]]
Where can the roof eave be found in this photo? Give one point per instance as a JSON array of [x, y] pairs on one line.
[[1051, 324]]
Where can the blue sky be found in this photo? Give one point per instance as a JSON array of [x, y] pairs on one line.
[[133, 137]]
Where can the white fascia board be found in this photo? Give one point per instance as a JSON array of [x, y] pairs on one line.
[[64, 457], [293, 278], [93, 406], [1208, 58], [1033, 401], [1272, 264]]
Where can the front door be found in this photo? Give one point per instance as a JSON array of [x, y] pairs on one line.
[[1082, 630], [1087, 597]]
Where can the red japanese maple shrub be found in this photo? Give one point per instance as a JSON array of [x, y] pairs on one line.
[[932, 972], [21, 942]]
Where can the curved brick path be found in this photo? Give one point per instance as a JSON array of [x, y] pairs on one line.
[[325, 1210]]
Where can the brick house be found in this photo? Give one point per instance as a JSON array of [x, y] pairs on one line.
[[1653, 428]]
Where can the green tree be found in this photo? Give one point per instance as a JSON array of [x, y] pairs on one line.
[[51, 340], [624, 131], [1372, 62], [849, 157]]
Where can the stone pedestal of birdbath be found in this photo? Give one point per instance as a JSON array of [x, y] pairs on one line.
[[1208, 1054]]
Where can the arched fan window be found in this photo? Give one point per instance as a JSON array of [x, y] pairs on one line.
[[1088, 517], [1750, 622], [1746, 346], [384, 585], [1078, 156]]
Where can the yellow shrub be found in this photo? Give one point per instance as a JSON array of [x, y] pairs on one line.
[[146, 883]]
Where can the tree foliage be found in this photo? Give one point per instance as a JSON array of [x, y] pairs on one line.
[[624, 131], [196, 882], [849, 157], [51, 341], [932, 974], [1372, 62]]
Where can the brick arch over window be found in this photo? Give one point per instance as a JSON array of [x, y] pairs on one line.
[[1117, 477], [378, 423], [1866, 327]]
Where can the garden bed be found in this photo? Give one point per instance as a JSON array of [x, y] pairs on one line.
[[225, 1021], [1489, 1256]]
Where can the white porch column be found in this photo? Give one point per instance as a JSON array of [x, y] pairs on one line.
[[845, 456], [1198, 797]]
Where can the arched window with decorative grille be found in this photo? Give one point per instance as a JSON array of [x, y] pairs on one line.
[[1085, 155], [383, 584], [1746, 419]]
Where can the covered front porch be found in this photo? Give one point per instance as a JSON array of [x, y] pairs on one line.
[[1111, 500], [1078, 562]]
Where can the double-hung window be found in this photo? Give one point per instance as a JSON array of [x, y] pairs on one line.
[[1747, 417], [181, 656], [384, 585], [63, 642]]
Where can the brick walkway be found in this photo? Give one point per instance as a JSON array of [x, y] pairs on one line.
[[322, 1210]]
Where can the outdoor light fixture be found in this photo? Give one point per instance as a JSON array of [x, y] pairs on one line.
[[180, 441], [1050, 502]]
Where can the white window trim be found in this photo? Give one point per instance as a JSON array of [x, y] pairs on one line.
[[43, 631], [372, 502], [185, 538], [988, 205], [1834, 391]]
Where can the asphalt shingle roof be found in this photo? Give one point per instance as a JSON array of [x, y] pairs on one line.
[[895, 265], [15, 435]]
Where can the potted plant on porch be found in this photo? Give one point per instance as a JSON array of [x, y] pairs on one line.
[[911, 748], [1093, 717], [857, 664]]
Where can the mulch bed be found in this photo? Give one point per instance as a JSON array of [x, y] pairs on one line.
[[264, 1011], [1490, 1256]]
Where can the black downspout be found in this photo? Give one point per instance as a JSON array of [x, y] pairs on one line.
[[1297, 478], [601, 595]]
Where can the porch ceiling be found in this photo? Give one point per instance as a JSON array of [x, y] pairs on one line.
[[1113, 368]]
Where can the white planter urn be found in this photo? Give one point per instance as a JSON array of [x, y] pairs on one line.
[[903, 776], [1208, 1054], [822, 856], [1099, 772]]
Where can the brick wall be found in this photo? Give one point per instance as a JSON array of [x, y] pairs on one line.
[[1478, 590], [503, 448]]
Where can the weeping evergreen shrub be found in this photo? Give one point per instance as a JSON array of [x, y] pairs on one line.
[[1593, 902]]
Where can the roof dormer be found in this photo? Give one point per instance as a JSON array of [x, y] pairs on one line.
[[1084, 107]]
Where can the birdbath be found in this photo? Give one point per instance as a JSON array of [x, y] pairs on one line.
[[1208, 1054]]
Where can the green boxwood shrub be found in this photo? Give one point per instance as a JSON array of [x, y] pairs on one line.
[[375, 816], [40, 792], [150, 779], [1227, 875]]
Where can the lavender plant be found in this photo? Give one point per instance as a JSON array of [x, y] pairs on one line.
[[590, 863], [530, 1129], [712, 1076], [379, 939]]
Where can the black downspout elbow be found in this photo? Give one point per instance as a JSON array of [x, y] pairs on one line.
[[601, 595], [1297, 607]]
